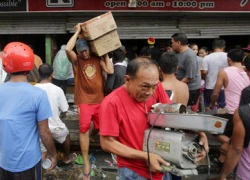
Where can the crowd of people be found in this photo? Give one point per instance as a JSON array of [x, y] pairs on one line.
[[115, 92]]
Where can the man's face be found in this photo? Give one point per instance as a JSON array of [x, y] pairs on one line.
[[143, 85], [175, 45], [195, 49], [202, 53], [84, 54]]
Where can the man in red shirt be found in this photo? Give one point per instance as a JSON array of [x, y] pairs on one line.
[[123, 120]]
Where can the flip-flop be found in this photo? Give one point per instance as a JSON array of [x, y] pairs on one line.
[[79, 159], [73, 157]]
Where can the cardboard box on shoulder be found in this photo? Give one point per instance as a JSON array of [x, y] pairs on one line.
[[98, 26], [106, 43]]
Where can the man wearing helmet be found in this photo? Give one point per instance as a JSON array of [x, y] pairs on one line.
[[89, 90], [24, 113]]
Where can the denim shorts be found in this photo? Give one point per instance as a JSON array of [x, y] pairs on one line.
[[127, 174]]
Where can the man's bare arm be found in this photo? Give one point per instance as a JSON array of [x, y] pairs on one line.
[[48, 141], [110, 144], [107, 65], [217, 88], [235, 148], [71, 44]]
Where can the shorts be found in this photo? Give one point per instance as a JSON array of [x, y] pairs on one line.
[[59, 134], [193, 97], [34, 173], [87, 113], [207, 98]]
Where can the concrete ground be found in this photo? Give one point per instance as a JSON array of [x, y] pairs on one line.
[[103, 168]]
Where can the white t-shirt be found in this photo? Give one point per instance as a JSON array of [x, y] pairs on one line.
[[57, 102], [3, 74], [213, 63]]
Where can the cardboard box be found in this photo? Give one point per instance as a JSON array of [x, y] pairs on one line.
[[106, 43], [98, 26]]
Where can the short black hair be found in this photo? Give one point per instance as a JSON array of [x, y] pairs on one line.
[[155, 54], [168, 63], [193, 44], [204, 48], [145, 51], [137, 63], [236, 55], [247, 63], [219, 43], [182, 37], [118, 55], [45, 71]]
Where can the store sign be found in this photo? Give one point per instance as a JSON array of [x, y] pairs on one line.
[[143, 5], [161, 4], [59, 3], [243, 3], [13, 5]]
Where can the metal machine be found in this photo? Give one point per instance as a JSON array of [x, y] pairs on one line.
[[173, 137]]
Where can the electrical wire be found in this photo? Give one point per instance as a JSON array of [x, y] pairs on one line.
[[208, 162], [150, 130]]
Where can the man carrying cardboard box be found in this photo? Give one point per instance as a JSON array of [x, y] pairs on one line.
[[89, 90]]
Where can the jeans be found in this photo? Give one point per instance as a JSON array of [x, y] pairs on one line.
[[127, 174]]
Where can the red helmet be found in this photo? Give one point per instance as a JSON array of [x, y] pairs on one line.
[[17, 57]]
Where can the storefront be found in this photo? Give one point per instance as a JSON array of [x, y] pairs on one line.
[[46, 24]]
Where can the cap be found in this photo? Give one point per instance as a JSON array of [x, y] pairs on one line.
[[81, 45], [151, 40], [246, 48]]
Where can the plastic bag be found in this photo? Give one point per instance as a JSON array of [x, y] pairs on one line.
[[61, 65]]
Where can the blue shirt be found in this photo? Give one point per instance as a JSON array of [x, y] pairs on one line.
[[22, 106]]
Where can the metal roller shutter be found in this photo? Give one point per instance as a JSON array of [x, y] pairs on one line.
[[163, 25], [216, 26], [30, 24], [132, 25], [135, 27]]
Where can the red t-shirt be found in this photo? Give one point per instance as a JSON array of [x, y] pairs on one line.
[[124, 118]]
